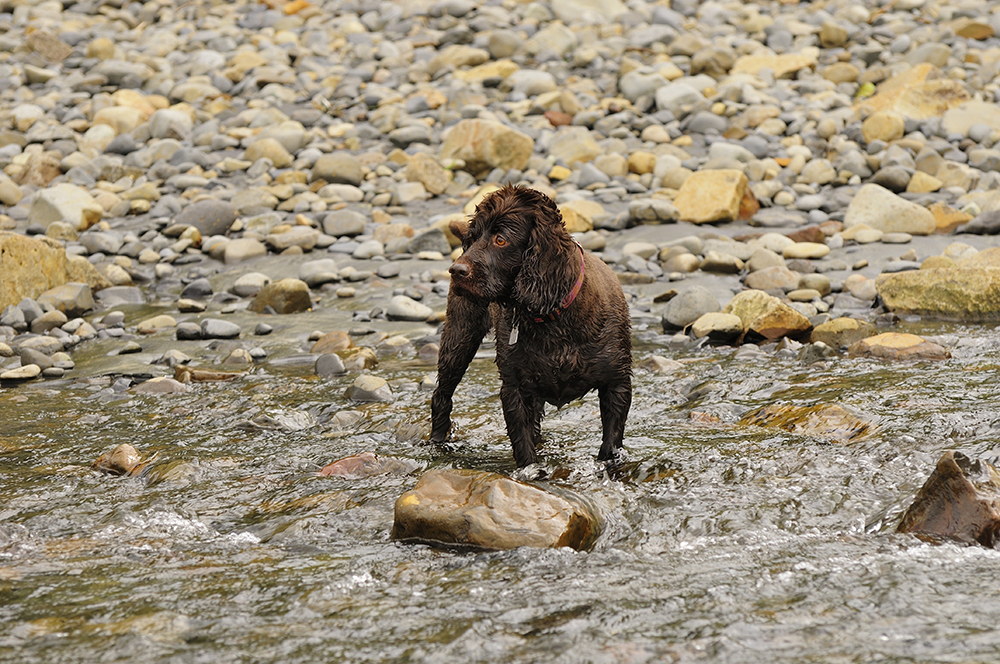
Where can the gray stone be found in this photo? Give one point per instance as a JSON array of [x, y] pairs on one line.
[[433, 239], [369, 388], [337, 168], [250, 283], [210, 217], [404, 308], [319, 272], [329, 364], [119, 295], [342, 223], [213, 328], [689, 305]]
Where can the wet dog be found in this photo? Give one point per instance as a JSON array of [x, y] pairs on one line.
[[560, 319]]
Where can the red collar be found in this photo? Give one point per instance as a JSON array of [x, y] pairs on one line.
[[568, 300]]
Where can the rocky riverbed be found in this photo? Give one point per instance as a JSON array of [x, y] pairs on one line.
[[235, 215]]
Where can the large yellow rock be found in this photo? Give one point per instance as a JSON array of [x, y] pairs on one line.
[[969, 294], [484, 145], [29, 267], [842, 332], [917, 93], [783, 66], [708, 196]]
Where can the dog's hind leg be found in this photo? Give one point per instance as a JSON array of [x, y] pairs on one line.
[[523, 418], [615, 401], [466, 324]]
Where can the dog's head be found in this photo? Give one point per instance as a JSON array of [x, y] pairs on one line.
[[515, 248]]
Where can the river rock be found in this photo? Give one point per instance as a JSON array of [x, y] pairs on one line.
[[337, 168], [896, 346], [123, 460], [883, 210], [160, 385], [574, 145], [286, 296], [776, 277], [213, 328], [688, 306], [842, 332], [369, 388], [367, 464], [297, 236], [402, 307], [485, 144], [917, 93], [491, 511], [782, 66], [250, 284], [969, 294], [329, 364], [65, 202], [210, 217], [332, 342], [766, 316], [242, 249], [959, 501], [708, 196], [717, 327], [830, 421], [73, 299], [26, 372], [155, 324]]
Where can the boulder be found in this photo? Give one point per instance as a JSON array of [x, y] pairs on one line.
[[967, 294], [484, 145], [287, 296], [766, 316], [714, 195], [959, 501], [883, 210], [29, 267], [491, 511], [897, 346], [823, 420]]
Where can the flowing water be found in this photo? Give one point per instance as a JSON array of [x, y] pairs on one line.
[[721, 543]]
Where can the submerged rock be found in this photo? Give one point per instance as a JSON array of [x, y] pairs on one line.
[[896, 346], [368, 464], [491, 511], [823, 420], [959, 501], [123, 460]]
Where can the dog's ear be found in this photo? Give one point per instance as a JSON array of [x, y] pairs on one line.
[[459, 227], [548, 266]]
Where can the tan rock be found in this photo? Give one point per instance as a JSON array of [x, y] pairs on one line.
[[101, 48], [484, 145], [933, 262], [825, 420], [883, 210], [423, 168], [490, 511], [783, 66], [332, 342], [946, 218], [922, 183], [842, 332], [80, 270], [574, 145], [766, 316], [65, 202], [917, 93], [641, 162], [897, 346], [122, 119], [968, 294], [842, 72], [883, 126], [714, 195], [286, 296], [29, 267], [958, 120], [498, 69], [574, 221]]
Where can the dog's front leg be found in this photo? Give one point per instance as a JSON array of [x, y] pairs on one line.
[[466, 323], [615, 400], [523, 421]]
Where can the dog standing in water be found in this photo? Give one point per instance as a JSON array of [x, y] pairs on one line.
[[561, 322]]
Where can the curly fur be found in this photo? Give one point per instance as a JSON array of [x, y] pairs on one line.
[[511, 281]]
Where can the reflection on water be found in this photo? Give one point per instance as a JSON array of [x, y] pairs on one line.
[[722, 542]]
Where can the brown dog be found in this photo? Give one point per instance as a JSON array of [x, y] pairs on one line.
[[561, 322]]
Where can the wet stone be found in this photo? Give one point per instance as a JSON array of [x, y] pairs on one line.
[[369, 388], [213, 328]]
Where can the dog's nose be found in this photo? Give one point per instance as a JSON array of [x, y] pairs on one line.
[[460, 270]]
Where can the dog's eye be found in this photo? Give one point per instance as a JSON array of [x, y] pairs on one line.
[[499, 241]]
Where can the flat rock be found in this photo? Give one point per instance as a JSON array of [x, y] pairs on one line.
[[830, 421], [65, 202], [897, 346], [842, 332], [717, 327], [491, 511]]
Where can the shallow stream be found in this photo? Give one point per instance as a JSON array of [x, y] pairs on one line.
[[721, 543]]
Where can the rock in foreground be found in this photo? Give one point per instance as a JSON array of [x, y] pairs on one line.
[[959, 501], [491, 511]]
